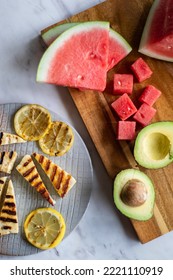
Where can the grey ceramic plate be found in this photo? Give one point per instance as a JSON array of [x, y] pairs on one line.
[[72, 207]]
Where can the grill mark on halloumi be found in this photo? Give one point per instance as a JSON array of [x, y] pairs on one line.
[[8, 215], [7, 160], [11, 154], [1, 182], [8, 138], [60, 179], [29, 171], [33, 178], [48, 165], [66, 184], [27, 162], [8, 220], [9, 196], [8, 211], [6, 227], [1, 137], [9, 204], [52, 176], [2, 157], [41, 159]]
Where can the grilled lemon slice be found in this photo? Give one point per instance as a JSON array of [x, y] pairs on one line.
[[31, 122], [58, 139], [44, 228]]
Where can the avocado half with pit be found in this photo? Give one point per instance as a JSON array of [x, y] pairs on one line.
[[134, 194], [154, 145]]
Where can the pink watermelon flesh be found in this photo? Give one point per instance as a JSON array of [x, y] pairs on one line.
[[77, 58], [144, 114], [118, 46], [150, 95], [118, 49], [126, 130], [123, 83], [141, 70], [124, 107], [157, 37]]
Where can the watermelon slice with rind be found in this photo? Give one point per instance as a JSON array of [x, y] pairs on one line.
[[78, 57], [157, 37], [119, 48]]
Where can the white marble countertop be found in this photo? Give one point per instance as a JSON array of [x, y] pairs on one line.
[[103, 233]]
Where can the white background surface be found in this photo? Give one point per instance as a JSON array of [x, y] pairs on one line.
[[103, 233]]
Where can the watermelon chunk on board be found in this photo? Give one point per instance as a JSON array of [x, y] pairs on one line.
[[119, 48], [144, 114], [126, 130], [78, 57], [124, 107], [141, 70], [150, 95], [123, 83], [157, 36]]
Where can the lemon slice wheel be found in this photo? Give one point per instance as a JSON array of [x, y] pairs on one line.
[[44, 228], [58, 139], [31, 122]]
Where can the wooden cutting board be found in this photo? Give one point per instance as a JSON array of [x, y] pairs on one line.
[[128, 18]]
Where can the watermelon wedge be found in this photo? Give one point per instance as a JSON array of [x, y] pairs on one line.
[[78, 57], [157, 37], [118, 46]]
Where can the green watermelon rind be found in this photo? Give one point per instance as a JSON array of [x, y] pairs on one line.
[[114, 34], [59, 29], [48, 35], [142, 46], [47, 57]]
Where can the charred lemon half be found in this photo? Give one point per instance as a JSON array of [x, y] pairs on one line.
[[58, 139], [32, 121], [44, 228]]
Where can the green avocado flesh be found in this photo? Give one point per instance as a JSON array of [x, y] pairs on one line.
[[154, 145], [144, 194]]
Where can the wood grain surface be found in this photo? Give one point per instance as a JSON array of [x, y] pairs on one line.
[[128, 18]]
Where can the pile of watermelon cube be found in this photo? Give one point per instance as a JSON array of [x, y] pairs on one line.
[[124, 106]]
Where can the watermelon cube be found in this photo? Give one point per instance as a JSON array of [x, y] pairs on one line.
[[123, 83], [144, 114], [150, 95], [124, 107], [141, 70], [126, 130]]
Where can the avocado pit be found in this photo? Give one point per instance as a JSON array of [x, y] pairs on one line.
[[134, 193]]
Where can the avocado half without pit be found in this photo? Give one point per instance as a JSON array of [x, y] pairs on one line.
[[134, 194], [154, 145]]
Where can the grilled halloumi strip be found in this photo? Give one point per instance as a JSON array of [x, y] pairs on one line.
[[8, 138], [29, 171], [8, 215], [7, 160], [60, 179]]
